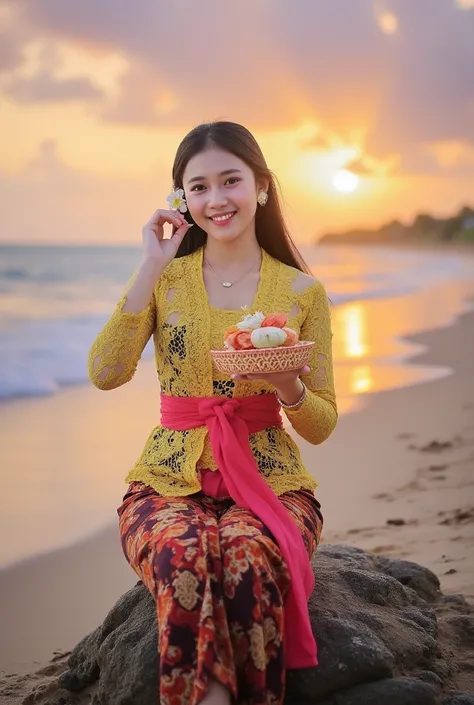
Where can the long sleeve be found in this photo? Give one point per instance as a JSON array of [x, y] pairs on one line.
[[316, 418], [114, 355]]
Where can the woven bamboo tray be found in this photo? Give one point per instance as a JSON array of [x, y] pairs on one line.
[[264, 360]]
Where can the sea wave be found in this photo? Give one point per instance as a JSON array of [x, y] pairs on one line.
[[13, 273]]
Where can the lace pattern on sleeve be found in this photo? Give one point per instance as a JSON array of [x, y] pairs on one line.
[[115, 353], [316, 418]]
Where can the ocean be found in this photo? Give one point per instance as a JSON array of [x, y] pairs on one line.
[[55, 299]]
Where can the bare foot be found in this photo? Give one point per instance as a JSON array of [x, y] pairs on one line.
[[216, 695]]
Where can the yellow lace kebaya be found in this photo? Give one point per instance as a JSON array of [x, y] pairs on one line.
[[185, 328]]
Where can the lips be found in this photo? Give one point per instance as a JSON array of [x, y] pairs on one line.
[[223, 218]]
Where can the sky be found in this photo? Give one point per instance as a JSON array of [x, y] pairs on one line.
[[364, 109]]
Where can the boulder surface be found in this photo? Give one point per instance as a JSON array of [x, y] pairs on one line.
[[385, 633]]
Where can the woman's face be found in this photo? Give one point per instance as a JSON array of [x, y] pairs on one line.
[[221, 194]]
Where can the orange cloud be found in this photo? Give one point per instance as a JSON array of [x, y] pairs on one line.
[[373, 87], [270, 70]]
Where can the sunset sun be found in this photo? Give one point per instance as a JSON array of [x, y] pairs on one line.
[[345, 181]]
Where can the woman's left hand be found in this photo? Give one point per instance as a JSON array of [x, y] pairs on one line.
[[287, 384]]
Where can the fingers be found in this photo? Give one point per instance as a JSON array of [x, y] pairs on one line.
[[181, 231], [161, 216], [178, 219], [184, 227]]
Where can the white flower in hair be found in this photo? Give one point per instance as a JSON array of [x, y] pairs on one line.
[[251, 321], [177, 201]]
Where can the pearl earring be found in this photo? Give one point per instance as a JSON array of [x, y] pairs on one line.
[[262, 198]]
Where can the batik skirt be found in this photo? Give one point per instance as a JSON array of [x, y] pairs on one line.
[[219, 583]]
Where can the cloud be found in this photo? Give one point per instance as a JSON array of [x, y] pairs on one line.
[[43, 88], [10, 52], [273, 63], [360, 168], [429, 83], [47, 167], [50, 201], [322, 140], [30, 75], [452, 158], [254, 62]]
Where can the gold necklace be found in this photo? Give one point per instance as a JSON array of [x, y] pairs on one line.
[[228, 284]]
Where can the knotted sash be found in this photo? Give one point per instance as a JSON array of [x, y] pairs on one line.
[[230, 422]]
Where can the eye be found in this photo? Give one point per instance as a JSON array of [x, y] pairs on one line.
[[234, 179], [198, 186]]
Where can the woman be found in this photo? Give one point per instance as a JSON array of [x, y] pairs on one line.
[[220, 518]]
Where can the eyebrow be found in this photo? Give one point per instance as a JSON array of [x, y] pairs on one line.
[[223, 173]]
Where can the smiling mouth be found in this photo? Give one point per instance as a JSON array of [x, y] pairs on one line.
[[222, 218]]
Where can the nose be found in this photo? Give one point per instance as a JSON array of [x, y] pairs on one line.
[[216, 198]]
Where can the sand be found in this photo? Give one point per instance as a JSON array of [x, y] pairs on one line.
[[395, 478]]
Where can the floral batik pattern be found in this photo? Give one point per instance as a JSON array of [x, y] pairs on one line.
[[219, 582]]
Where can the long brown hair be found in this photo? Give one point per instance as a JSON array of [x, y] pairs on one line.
[[270, 227]]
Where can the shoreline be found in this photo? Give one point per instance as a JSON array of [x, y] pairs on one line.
[[382, 458], [413, 246], [435, 245]]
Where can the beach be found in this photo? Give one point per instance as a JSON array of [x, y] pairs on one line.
[[396, 477]]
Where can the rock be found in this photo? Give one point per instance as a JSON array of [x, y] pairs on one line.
[[459, 700], [431, 678], [395, 691], [368, 624], [463, 625], [349, 653], [420, 579], [385, 634], [124, 650]]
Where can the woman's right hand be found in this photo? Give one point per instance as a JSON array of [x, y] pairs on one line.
[[155, 247]]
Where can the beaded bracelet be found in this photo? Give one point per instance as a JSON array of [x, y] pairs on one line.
[[298, 403]]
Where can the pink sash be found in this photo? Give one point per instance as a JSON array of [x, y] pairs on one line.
[[230, 421]]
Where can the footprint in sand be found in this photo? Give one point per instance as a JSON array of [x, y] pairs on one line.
[[384, 495], [404, 436], [442, 446], [395, 522], [436, 447], [459, 516], [413, 486], [390, 550]]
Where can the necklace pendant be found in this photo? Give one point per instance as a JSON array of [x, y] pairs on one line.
[[227, 284]]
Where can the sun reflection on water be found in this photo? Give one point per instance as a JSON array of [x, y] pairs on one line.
[[355, 330], [370, 351]]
